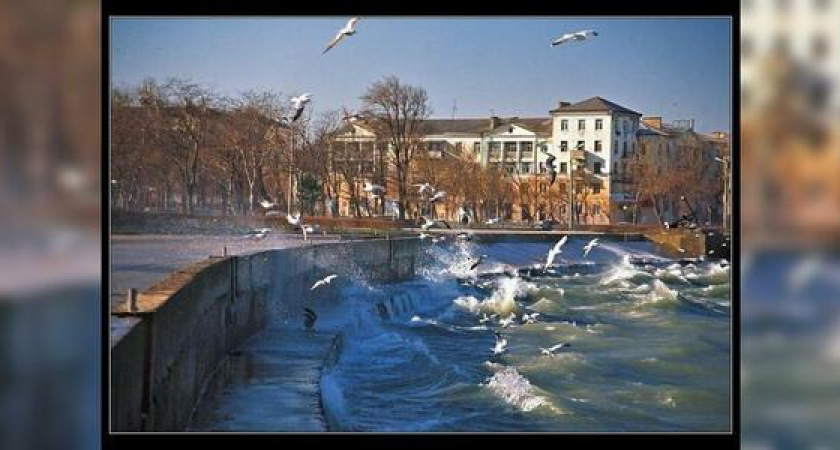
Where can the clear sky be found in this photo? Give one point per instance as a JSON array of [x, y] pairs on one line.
[[675, 68]]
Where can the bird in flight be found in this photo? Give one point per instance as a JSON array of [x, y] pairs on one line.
[[438, 196], [571, 37], [348, 30], [530, 318], [508, 321], [550, 351], [555, 251], [293, 220], [267, 204], [477, 261], [300, 103], [501, 344], [374, 189], [323, 282], [589, 246], [492, 221], [423, 188]]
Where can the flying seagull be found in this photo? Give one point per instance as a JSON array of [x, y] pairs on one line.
[[571, 37], [438, 196], [589, 246], [267, 204], [323, 282], [300, 103], [428, 223], [492, 221], [501, 344], [423, 188], [550, 351], [293, 220], [348, 30], [309, 318], [508, 321], [477, 261], [555, 251], [374, 189], [530, 318]]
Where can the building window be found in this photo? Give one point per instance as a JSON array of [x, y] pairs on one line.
[[510, 150], [596, 209], [564, 167], [598, 146], [632, 147], [543, 188], [624, 151], [564, 124], [599, 124], [458, 147], [542, 167], [615, 167], [526, 167], [596, 188], [579, 145], [526, 149], [496, 150], [597, 167], [618, 128], [564, 146], [477, 147], [510, 168], [581, 124]]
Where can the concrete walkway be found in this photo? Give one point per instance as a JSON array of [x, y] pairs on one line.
[[139, 261], [274, 385]]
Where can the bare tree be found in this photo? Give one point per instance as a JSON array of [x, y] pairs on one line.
[[186, 116], [396, 111]]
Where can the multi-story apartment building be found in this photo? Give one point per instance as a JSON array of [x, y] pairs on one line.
[[592, 138], [593, 141]]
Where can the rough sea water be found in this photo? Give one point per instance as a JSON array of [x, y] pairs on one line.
[[647, 343]]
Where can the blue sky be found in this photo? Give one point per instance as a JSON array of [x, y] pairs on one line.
[[676, 68]]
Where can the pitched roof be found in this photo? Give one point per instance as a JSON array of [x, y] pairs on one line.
[[595, 104], [478, 126]]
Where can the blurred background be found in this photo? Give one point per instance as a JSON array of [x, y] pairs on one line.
[[790, 216], [50, 233], [50, 215]]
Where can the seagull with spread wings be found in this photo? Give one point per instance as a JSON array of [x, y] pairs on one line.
[[574, 37], [348, 30]]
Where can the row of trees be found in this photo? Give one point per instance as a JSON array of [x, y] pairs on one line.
[[181, 139]]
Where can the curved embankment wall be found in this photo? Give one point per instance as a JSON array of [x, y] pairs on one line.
[[166, 352]]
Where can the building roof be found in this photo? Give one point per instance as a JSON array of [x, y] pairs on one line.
[[478, 126], [595, 104]]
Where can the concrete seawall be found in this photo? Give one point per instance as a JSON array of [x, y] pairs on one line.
[[166, 352]]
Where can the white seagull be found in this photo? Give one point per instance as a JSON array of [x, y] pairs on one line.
[[348, 30], [589, 246], [506, 322], [554, 252], [550, 351], [293, 220], [373, 189], [423, 188], [492, 221], [267, 204], [300, 103], [501, 344], [323, 282], [570, 37], [530, 318], [438, 196]]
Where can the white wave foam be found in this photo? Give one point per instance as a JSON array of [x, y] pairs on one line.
[[516, 390]]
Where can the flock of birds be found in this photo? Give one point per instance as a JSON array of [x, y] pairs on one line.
[[300, 102], [527, 319]]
